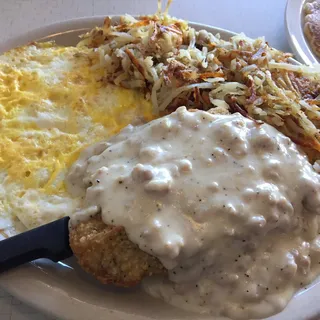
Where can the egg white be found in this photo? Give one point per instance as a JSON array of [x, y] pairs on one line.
[[53, 103]]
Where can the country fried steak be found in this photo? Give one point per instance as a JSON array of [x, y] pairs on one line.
[[106, 252]]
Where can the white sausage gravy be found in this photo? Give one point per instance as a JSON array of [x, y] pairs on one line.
[[229, 206]]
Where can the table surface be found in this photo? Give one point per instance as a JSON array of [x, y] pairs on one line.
[[254, 18]]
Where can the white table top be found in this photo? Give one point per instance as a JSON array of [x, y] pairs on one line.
[[253, 17]]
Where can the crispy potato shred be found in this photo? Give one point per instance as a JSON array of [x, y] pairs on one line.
[[176, 65]]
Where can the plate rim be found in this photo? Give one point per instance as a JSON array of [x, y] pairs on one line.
[[295, 34], [28, 282], [70, 25]]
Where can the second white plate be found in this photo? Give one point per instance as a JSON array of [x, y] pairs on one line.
[[294, 23]]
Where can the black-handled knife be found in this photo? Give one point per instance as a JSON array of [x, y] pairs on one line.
[[50, 241]]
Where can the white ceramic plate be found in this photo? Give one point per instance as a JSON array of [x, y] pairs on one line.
[[294, 23], [65, 291]]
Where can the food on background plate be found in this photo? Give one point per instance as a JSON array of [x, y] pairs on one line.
[[312, 25], [57, 101]]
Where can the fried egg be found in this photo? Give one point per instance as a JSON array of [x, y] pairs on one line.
[[53, 103]]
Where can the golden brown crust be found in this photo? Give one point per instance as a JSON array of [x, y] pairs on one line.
[[106, 252]]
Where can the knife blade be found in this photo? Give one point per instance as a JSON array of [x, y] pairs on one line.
[[49, 241]]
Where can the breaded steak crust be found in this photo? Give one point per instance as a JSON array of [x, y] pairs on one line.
[[106, 252]]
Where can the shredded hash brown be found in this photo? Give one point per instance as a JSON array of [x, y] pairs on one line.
[[176, 65]]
